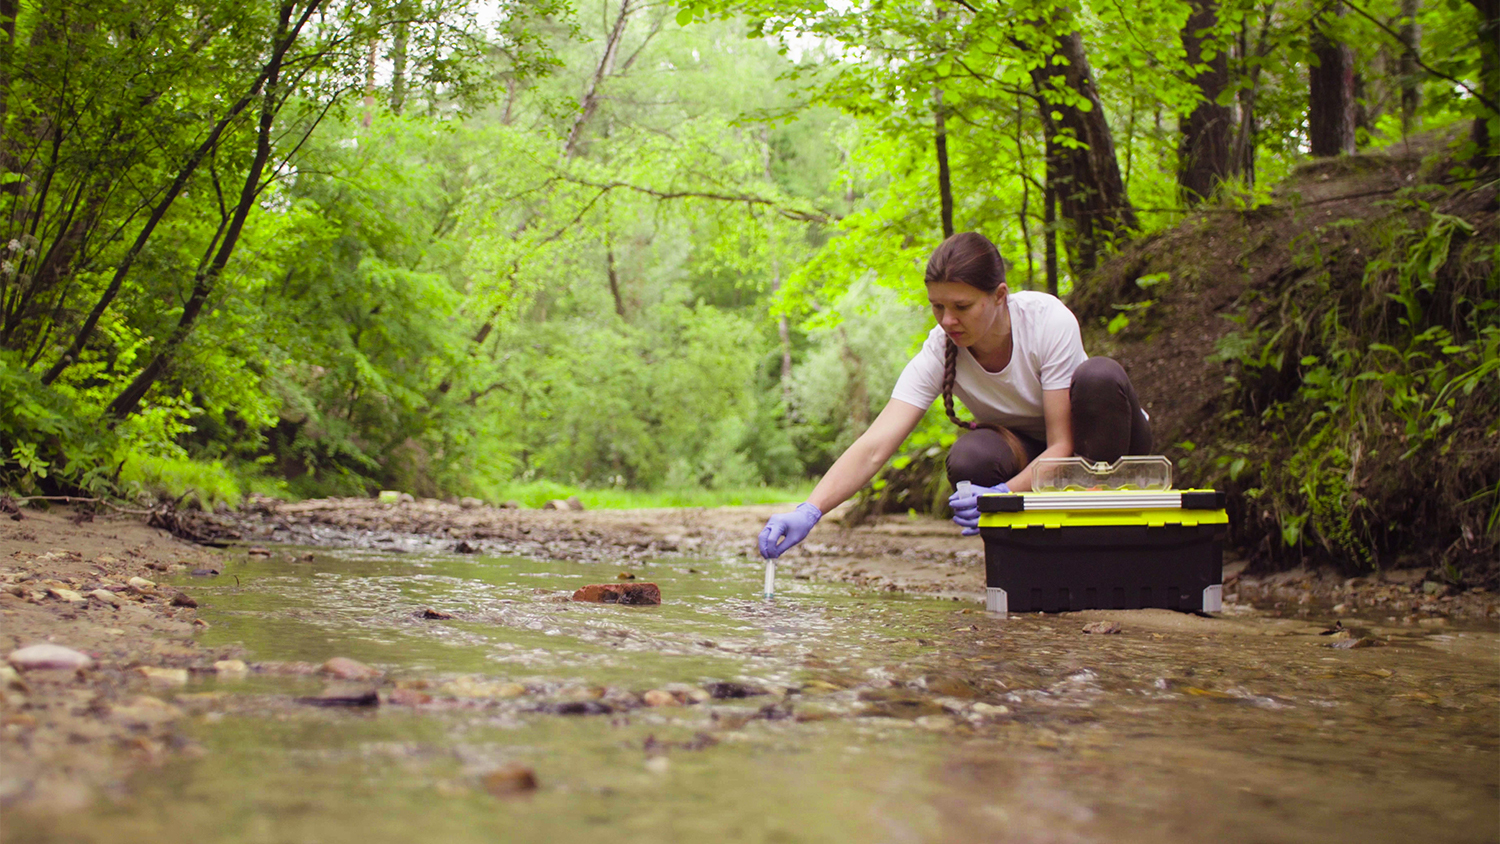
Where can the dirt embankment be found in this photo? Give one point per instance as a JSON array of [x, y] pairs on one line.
[[68, 736]]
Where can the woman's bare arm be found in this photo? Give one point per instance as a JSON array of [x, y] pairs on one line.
[[859, 463], [1057, 410]]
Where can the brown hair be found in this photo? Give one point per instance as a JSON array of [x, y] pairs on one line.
[[968, 258]]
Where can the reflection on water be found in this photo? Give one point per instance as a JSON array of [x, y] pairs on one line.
[[884, 718]]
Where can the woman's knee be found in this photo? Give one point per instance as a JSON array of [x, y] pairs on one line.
[[984, 457], [1100, 377]]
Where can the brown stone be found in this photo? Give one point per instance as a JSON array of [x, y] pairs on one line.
[[348, 669], [620, 593], [510, 779]]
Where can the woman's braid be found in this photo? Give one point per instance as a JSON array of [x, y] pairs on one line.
[[950, 373]]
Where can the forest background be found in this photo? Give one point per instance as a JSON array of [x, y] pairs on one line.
[[655, 253]]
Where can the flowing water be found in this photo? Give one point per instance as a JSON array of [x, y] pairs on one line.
[[883, 717]]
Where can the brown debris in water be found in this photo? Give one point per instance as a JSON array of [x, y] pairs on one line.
[[636, 594]]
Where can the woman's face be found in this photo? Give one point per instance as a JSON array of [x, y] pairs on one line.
[[967, 314]]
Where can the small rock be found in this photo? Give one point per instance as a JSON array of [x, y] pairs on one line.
[[433, 615], [509, 779], [140, 584], [555, 504], [625, 575], [231, 669], [164, 676], [204, 572], [951, 687], [340, 698], [66, 595], [581, 707], [814, 713], [145, 710], [511, 505], [104, 596], [200, 624], [182, 599], [463, 547], [409, 697], [732, 691], [635, 594], [658, 765], [1102, 627], [258, 551], [657, 697], [1350, 644], [1433, 622], [469, 503], [983, 708], [10, 679], [48, 656], [573, 503], [344, 668]]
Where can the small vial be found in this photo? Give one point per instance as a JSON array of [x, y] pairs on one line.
[[964, 487], [770, 579]]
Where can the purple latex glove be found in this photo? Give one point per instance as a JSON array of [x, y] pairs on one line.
[[966, 506], [787, 529]]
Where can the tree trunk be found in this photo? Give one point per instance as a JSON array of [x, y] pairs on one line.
[[614, 279], [1049, 215], [1486, 128], [399, 43], [1330, 111], [945, 184], [204, 281], [1090, 190], [590, 101], [1203, 156], [8, 11], [1411, 78]]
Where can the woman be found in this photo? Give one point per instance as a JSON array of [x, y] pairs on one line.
[[1017, 361]]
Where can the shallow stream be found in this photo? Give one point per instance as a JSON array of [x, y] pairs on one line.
[[865, 716]]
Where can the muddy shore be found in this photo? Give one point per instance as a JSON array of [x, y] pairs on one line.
[[70, 737]]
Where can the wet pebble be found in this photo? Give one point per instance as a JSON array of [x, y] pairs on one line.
[[182, 599], [104, 596], [140, 584], [48, 656], [658, 697], [580, 707], [164, 676], [144, 710], [231, 669], [339, 698], [431, 614], [635, 594], [66, 595], [983, 708], [344, 668], [506, 780], [258, 551], [1102, 627], [732, 691]]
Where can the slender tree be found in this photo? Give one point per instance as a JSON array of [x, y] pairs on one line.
[[1331, 105], [1204, 156]]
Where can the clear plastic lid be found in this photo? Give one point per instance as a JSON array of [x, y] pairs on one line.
[[1060, 474]]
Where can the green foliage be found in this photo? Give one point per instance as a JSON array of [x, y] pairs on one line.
[[1389, 383]]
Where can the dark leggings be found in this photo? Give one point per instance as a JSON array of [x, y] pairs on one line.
[[1107, 423]]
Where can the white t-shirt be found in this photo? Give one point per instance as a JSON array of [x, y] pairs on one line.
[[1046, 349]]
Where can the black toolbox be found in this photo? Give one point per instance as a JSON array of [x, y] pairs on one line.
[[1118, 549]]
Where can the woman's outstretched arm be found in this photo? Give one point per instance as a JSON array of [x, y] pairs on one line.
[[859, 463]]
